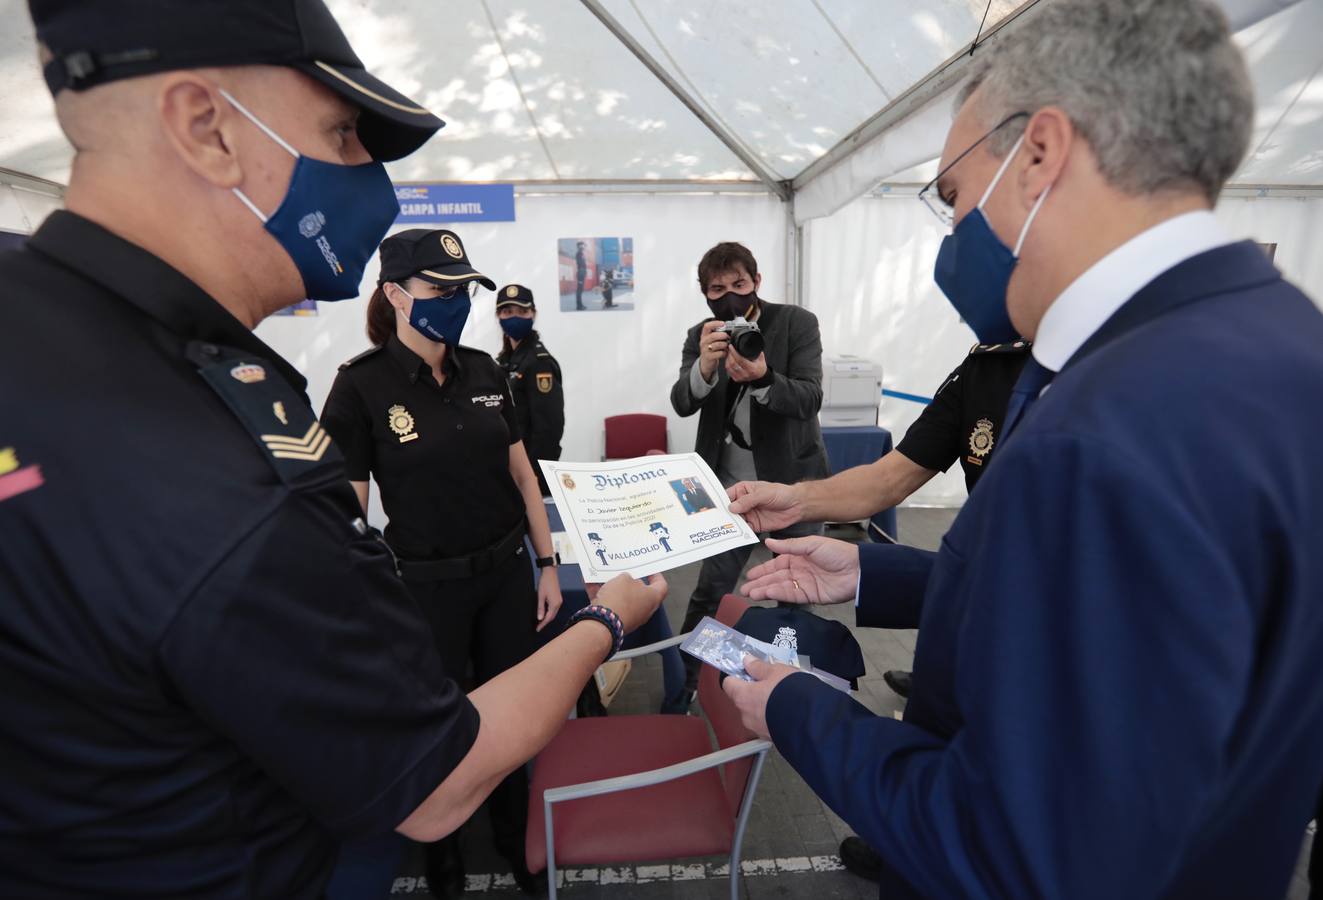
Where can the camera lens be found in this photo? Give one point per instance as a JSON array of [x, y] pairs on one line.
[[749, 344]]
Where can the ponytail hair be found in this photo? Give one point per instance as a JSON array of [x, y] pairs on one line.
[[380, 317]]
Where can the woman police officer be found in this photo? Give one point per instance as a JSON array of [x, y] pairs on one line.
[[535, 379], [433, 422]]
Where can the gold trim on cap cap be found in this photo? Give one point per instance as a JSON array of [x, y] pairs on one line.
[[432, 274], [416, 110]]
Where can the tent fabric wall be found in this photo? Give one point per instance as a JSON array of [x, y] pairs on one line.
[[613, 362]]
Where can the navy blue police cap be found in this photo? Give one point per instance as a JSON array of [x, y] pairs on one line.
[[828, 644], [435, 255], [515, 295], [85, 43]]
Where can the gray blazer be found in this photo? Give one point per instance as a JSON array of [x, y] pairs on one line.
[[787, 443]]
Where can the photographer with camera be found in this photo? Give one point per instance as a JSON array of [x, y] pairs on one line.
[[754, 373]]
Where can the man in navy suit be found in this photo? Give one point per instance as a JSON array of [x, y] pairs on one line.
[[1115, 682]]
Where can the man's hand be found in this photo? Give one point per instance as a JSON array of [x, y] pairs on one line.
[[811, 570], [548, 598], [741, 370], [632, 600], [712, 345], [766, 505], [750, 697]]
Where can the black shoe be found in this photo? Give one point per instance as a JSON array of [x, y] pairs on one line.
[[899, 681], [861, 859], [445, 869], [530, 884]]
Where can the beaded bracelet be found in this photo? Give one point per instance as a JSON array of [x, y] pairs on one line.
[[608, 618]]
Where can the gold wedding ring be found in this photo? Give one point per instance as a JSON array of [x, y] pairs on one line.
[[796, 584]]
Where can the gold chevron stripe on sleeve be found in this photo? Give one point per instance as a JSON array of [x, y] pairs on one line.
[[313, 430], [310, 455]]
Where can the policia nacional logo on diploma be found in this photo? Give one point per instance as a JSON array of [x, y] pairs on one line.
[[643, 516]]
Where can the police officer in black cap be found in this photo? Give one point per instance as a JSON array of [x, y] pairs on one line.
[[434, 423], [212, 672], [535, 379]]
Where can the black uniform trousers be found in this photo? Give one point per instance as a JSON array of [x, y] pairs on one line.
[[487, 621]]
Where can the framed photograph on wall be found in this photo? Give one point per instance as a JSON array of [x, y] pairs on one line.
[[596, 274]]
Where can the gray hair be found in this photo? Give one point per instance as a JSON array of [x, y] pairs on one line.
[[1156, 88]]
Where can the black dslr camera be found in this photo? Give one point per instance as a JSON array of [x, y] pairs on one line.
[[745, 337]]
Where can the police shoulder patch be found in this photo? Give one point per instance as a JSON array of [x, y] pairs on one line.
[[274, 414], [362, 356]]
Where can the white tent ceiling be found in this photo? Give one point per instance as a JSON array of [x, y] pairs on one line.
[[543, 91]]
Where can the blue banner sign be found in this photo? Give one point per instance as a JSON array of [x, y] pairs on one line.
[[422, 203]]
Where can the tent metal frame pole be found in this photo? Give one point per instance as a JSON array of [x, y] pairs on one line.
[[937, 82], [31, 183], [777, 186], [794, 256]]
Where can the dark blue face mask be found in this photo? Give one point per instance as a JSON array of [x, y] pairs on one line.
[[441, 319], [974, 268], [331, 220], [517, 327]]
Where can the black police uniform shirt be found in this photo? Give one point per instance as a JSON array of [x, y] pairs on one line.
[[964, 420], [211, 673], [440, 453], [539, 397]]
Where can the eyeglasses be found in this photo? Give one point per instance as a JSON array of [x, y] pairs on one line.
[[933, 199]]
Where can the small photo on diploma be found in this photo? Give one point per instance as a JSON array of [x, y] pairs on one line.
[[643, 516]]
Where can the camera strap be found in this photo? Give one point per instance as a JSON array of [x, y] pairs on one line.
[[732, 430]]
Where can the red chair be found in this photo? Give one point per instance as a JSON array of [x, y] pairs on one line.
[[646, 788], [634, 435]]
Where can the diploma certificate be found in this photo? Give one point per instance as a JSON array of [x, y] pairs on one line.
[[643, 516]]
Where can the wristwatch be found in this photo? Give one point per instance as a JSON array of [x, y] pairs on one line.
[[543, 562]]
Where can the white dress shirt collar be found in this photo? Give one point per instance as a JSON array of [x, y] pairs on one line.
[[1091, 299]]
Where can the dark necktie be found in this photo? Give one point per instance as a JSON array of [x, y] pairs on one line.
[[1033, 378]]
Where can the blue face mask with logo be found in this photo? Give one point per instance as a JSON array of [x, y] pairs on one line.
[[517, 327], [974, 267], [331, 220], [440, 319]]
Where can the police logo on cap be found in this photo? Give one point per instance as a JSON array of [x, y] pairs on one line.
[[512, 291], [451, 246]]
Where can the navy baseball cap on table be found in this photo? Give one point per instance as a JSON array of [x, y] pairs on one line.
[[515, 295], [92, 42], [435, 255], [828, 644]]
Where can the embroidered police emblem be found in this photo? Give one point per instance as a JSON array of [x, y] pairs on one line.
[[786, 638], [451, 246], [512, 291], [311, 224], [401, 422], [248, 373], [980, 439], [544, 382]]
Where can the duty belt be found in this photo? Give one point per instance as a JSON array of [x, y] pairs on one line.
[[456, 567]]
